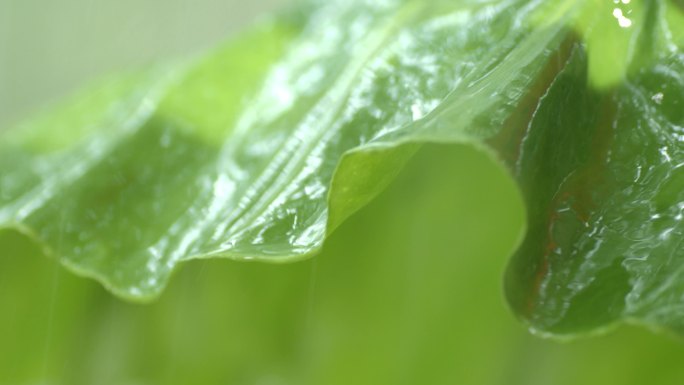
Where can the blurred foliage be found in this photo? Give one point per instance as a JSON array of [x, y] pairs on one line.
[[49, 49]]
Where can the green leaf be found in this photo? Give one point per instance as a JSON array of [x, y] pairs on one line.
[[263, 148], [607, 224], [600, 173], [177, 168]]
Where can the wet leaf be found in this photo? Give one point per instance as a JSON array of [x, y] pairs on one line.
[[261, 149]]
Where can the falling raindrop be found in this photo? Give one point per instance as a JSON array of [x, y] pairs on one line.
[[416, 111]]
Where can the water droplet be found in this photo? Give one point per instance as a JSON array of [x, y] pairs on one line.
[[623, 21], [664, 152], [658, 98]]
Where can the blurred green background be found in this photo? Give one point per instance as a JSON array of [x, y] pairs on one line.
[[51, 48], [408, 291]]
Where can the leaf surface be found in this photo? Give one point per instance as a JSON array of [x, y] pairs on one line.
[[261, 149]]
